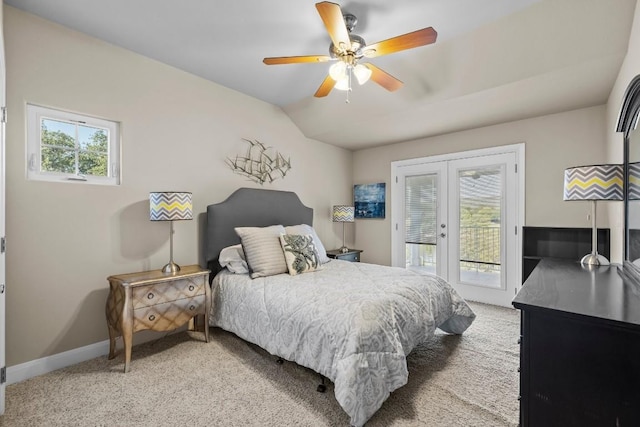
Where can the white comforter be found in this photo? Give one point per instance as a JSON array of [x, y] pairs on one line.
[[354, 323]]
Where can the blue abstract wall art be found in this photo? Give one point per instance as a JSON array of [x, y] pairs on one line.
[[369, 200]]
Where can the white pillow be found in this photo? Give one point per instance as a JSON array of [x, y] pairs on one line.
[[300, 253], [307, 229], [262, 250], [232, 257]]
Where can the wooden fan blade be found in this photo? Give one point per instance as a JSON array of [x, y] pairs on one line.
[[406, 41], [296, 59], [331, 15], [383, 78], [325, 87]]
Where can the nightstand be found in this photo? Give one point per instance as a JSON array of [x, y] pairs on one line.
[[352, 255], [157, 301]]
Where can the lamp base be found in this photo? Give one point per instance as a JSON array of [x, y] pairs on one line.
[[344, 249], [171, 267], [594, 259]]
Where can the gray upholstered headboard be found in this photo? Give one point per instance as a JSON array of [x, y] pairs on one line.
[[249, 207]]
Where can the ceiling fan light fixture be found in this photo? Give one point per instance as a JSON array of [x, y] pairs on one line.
[[347, 49], [362, 72], [338, 71]]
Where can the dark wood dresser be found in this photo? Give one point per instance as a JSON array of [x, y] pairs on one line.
[[579, 347]]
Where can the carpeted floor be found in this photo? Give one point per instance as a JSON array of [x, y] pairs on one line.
[[468, 380]]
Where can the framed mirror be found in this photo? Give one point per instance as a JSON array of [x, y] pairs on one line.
[[627, 124]]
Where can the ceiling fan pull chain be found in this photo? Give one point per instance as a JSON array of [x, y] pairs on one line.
[[349, 88]]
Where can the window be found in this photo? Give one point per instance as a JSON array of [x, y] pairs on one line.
[[63, 146]]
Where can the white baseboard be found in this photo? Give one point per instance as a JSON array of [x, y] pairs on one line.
[[33, 368]]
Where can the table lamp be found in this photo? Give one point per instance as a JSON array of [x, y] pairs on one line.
[[170, 206], [595, 182], [342, 213]]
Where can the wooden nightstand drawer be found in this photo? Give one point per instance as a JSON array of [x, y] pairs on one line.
[[352, 255], [168, 315], [145, 296]]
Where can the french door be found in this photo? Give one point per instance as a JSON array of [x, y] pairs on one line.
[[458, 218]]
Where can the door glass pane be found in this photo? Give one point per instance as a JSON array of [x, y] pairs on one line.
[[480, 209], [420, 222]]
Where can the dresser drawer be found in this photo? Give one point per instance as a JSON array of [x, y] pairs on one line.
[[168, 315], [145, 296]]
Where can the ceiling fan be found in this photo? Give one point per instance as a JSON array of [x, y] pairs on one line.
[[348, 49]]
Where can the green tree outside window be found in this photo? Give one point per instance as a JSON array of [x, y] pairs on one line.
[[74, 148]]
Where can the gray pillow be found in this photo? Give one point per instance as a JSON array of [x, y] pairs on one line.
[[263, 250], [307, 229], [300, 253]]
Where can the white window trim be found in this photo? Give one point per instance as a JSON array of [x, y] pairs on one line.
[[34, 115]]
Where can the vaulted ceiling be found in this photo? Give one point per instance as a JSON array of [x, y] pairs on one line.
[[494, 60]]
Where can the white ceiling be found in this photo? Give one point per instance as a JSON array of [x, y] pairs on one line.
[[494, 60]]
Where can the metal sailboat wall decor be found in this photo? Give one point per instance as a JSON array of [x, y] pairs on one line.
[[260, 163]]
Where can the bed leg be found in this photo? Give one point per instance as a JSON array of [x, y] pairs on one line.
[[321, 387]]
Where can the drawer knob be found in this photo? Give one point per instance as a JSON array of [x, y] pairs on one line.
[[192, 307], [152, 317], [150, 295], [191, 287]]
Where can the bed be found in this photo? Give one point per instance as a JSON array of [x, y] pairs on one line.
[[353, 323]]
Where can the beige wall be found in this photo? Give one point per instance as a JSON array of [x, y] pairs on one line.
[[177, 129], [552, 143], [615, 153]]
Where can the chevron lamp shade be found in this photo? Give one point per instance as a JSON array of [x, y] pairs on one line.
[[633, 192], [596, 182], [342, 213], [170, 206]]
